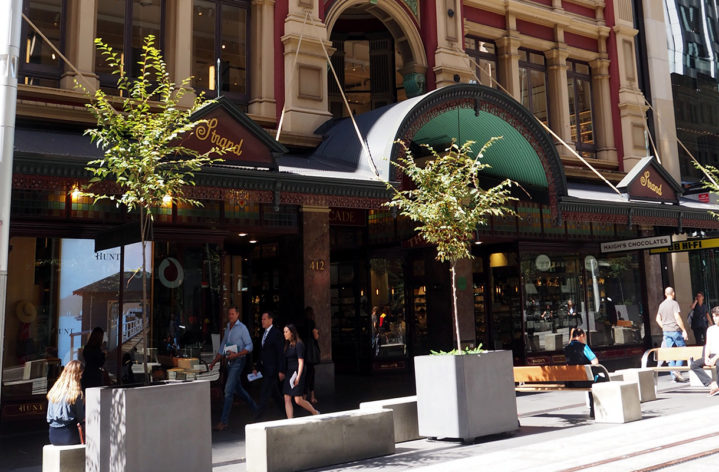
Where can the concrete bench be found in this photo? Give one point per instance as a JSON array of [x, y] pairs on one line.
[[317, 441], [63, 458], [642, 377], [404, 414], [616, 402]]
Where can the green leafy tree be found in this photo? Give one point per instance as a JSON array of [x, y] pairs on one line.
[[141, 136], [449, 204]]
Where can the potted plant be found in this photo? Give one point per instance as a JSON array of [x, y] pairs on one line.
[[143, 165], [463, 393]]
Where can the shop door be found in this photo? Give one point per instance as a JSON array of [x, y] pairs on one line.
[[505, 315]]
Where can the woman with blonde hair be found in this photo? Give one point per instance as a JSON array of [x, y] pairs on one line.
[[66, 406]]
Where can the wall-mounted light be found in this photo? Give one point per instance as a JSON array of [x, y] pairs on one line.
[[75, 193], [450, 13]]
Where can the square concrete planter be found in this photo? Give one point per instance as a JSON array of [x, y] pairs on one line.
[[465, 396], [162, 427]]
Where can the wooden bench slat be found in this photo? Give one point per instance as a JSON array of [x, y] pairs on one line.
[[552, 373], [549, 388], [678, 353]]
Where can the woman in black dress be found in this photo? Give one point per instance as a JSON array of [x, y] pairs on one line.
[[295, 362], [94, 358]]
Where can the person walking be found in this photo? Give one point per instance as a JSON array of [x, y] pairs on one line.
[[670, 321], [235, 346], [94, 357], [699, 319], [270, 364], [66, 406], [711, 354], [293, 377], [312, 354]]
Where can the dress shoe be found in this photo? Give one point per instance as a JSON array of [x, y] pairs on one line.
[[679, 379], [220, 427], [713, 392]]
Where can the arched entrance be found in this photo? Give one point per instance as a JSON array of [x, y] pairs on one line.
[[379, 57]]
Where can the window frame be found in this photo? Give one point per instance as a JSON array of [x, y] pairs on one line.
[[236, 97], [42, 71], [109, 81], [579, 145], [525, 63], [478, 56]]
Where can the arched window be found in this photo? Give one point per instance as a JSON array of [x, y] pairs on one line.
[[124, 25], [220, 31], [39, 64]]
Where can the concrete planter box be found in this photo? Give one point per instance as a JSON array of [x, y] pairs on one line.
[[465, 396], [159, 427]]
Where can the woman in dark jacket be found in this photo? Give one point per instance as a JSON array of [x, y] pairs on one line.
[[94, 358], [66, 406]]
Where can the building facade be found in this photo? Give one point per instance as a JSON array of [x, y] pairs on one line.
[[295, 218]]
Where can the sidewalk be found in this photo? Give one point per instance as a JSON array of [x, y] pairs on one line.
[[555, 435]]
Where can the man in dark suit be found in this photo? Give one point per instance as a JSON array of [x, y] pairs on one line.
[[270, 364]]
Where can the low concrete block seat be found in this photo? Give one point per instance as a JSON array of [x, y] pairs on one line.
[[316, 441], [644, 378], [404, 414], [63, 458], [616, 402]]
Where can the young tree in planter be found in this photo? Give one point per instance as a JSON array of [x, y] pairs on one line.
[[448, 203], [141, 136]]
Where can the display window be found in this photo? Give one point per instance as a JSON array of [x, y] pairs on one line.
[[388, 324]]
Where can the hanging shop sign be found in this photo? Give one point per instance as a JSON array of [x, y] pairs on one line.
[[635, 244], [649, 181], [170, 272], [224, 126], [688, 245]]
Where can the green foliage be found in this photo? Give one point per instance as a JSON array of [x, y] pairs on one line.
[[712, 181], [458, 352], [447, 202], [140, 134]]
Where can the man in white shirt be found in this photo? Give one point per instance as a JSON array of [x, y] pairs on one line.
[[711, 354], [675, 334]]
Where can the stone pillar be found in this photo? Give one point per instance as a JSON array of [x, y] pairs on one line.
[[601, 99], [465, 304], [316, 276], [178, 41], [508, 64], [559, 97], [632, 108], [681, 280], [306, 103], [80, 43], [262, 68], [451, 64]]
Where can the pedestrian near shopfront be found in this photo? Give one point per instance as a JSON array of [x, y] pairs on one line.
[[711, 354], [66, 406], [670, 320], [94, 357], [312, 354], [235, 346], [270, 363], [699, 319], [293, 377]]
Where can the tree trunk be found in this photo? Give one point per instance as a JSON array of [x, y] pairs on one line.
[[455, 310], [143, 240]]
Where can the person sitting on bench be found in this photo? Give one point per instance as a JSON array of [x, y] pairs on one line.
[[711, 354], [577, 352]]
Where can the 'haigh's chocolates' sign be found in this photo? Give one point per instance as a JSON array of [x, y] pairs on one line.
[[225, 127]]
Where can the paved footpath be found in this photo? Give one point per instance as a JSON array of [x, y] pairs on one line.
[[679, 432]]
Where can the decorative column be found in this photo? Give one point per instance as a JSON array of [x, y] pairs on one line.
[[451, 64], [178, 41], [601, 98], [306, 103], [559, 97], [316, 277], [508, 63], [80, 42], [262, 68]]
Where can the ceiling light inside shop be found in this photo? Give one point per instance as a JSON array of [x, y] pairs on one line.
[[253, 241], [242, 235], [498, 259]]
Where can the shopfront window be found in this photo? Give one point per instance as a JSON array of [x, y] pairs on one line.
[[553, 299], [59, 290], [387, 319], [614, 302]]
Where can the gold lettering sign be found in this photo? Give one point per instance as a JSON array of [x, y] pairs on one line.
[[645, 182], [207, 131], [317, 265]]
